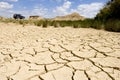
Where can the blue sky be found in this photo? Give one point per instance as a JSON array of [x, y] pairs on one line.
[[50, 8]]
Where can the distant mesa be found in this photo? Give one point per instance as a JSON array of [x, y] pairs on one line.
[[36, 18], [72, 17]]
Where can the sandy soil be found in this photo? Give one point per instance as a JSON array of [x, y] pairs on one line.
[[34, 53]]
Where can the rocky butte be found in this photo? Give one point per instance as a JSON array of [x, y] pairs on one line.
[[36, 18], [72, 17]]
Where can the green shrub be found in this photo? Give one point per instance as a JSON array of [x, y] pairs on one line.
[[61, 24], [113, 25], [45, 24], [38, 22], [56, 25], [97, 24], [21, 22], [86, 23], [76, 24]]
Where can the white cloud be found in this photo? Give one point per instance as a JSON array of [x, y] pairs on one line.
[[40, 11], [5, 5], [56, 0], [62, 10], [88, 10], [13, 0], [5, 13], [59, 0]]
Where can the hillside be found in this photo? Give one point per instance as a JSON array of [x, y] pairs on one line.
[[72, 17]]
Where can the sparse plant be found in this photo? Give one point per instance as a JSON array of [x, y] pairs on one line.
[[38, 22], [45, 24]]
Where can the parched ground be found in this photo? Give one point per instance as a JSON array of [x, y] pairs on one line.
[[34, 53]]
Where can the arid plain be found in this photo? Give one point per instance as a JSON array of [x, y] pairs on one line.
[[35, 53]]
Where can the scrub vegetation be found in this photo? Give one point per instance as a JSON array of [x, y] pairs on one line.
[[108, 19]]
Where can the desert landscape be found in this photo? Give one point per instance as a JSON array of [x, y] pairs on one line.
[[36, 53], [60, 40]]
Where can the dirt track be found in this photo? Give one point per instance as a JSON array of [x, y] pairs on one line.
[[33, 53]]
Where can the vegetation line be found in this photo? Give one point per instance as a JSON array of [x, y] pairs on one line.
[[108, 19]]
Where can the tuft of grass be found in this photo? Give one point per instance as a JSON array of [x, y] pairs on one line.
[[45, 24], [38, 22]]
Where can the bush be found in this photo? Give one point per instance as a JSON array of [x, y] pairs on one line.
[[45, 24], [113, 25], [22, 22], [38, 22], [76, 24], [97, 24], [54, 23], [86, 23], [61, 24]]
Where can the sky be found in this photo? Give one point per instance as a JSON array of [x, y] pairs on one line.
[[51, 8]]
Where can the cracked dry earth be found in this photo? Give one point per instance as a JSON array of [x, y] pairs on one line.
[[34, 53]]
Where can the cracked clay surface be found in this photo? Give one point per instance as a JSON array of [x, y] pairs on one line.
[[34, 53]]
